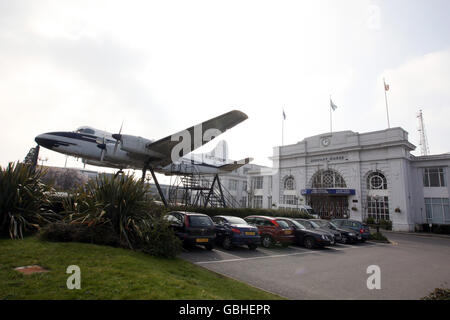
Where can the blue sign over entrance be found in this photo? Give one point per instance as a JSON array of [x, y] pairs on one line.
[[340, 192]]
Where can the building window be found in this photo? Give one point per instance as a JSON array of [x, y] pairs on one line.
[[328, 179], [258, 183], [437, 210], [244, 186], [376, 181], [244, 202], [233, 184], [257, 202], [378, 208], [269, 202], [290, 199], [434, 177], [289, 183]]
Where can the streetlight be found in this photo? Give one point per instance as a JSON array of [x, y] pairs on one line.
[[376, 198], [43, 160]]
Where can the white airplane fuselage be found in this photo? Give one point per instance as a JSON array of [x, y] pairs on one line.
[[89, 145]]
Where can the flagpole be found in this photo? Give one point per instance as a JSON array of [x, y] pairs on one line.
[[282, 130], [331, 118], [385, 99]]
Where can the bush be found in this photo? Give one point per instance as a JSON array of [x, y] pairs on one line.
[[378, 236], [120, 209], [23, 198], [243, 212], [438, 294], [119, 201], [384, 224], [158, 238], [68, 232], [436, 228]]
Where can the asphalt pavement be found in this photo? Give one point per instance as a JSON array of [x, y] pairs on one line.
[[410, 268]]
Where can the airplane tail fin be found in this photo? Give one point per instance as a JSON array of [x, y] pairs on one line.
[[235, 164], [220, 151]]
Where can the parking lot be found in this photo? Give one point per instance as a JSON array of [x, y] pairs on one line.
[[410, 268]]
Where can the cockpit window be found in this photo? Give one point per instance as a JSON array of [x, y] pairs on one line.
[[86, 130]]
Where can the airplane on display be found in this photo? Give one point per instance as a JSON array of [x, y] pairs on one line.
[[169, 155]]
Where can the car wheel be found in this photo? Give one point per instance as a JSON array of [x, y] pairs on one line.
[[344, 239], [226, 244], [267, 241], [209, 246], [252, 246], [309, 243]]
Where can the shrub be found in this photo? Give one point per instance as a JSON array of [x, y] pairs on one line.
[[67, 232], [23, 198], [158, 239], [438, 294], [378, 236], [120, 201], [244, 212], [437, 228], [119, 207]]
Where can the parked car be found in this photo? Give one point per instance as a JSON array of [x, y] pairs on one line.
[[320, 224], [193, 228], [362, 230], [346, 235], [234, 231], [310, 238], [272, 230]]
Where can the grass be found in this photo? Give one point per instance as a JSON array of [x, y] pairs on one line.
[[109, 273]]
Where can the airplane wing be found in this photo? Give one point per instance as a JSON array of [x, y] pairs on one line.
[[194, 137], [235, 164]]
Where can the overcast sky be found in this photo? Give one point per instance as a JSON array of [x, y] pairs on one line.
[[162, 66]]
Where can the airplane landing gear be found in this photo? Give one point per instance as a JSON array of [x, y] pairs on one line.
[[161, 194], [118, 172]]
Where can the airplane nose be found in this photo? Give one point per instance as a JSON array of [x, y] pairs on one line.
[[45, 141]]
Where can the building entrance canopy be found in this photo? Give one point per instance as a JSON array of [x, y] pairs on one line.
[[339, 192]]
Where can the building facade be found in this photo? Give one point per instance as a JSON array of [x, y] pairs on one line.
[[355, 175]]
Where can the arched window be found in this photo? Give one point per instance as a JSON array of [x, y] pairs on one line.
[[376, 181], [289, 183], [328, 179]]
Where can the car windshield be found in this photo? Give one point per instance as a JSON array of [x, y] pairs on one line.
[[331, 224], [306, 224], [321, 223], [200, 221], [235, 220], [297, 224], [283, 224]]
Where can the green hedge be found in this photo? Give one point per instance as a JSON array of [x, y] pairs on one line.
[[437, 228], [243, 212]]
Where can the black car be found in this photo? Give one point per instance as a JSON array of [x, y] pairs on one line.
[[347, 235], [193, 228], [234, 231], [324, 226], [309, 238], [361, 230]]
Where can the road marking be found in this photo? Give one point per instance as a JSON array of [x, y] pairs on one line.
[[280, 255], [216, 250], [256, 258]]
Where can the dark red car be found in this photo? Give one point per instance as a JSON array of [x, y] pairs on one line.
[[272, 230]]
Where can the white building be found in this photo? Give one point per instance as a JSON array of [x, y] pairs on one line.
[[354, 174]]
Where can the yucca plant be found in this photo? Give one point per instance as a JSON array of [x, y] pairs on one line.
[[121, 201], [23, 200]]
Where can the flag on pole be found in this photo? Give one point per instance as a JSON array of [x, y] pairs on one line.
[[284, 115], [386, 87], [333, 106]]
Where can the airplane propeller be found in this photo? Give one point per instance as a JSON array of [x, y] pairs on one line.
[[118, 137], [102, 145]]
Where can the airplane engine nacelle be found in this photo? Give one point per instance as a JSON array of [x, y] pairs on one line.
[[134, 144]]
